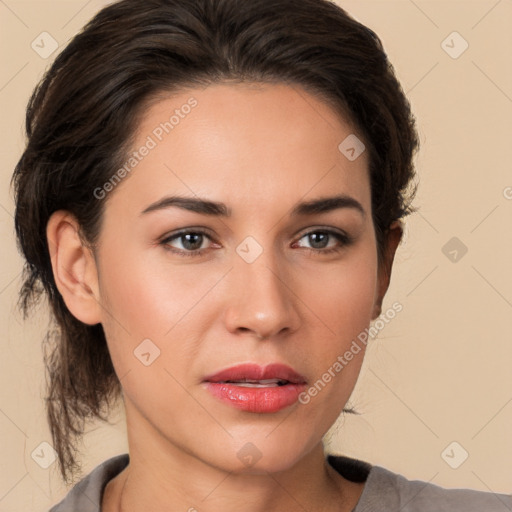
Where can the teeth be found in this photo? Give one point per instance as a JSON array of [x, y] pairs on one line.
[[255, 385], [269, 381], [265, 383]]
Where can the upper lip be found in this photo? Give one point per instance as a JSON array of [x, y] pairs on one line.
[[255, 372]]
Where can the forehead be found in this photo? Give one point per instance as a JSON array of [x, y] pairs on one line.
[[249, 145]]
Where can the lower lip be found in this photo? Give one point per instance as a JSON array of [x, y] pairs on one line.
[[266, 400]]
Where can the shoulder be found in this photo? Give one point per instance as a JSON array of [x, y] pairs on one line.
[[86, 495], [419, 496], [385, 490]]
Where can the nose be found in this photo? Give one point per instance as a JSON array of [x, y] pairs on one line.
[[261, 299]]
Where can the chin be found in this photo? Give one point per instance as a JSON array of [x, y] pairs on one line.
[[259, 455]]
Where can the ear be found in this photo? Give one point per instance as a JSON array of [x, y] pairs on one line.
[[391, 240], [74, 268]]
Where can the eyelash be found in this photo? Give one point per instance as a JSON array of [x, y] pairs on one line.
[[344, 239]]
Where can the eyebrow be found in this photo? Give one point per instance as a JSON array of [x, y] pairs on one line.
[[214, 208]]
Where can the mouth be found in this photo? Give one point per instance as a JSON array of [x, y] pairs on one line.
[[257, 389]]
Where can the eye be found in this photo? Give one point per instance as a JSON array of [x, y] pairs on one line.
[[191, 242], [320, 238]]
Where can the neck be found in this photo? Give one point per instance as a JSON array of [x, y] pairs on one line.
[[323, 491], [161, 477]]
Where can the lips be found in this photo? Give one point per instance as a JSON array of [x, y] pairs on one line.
[[255, 388]]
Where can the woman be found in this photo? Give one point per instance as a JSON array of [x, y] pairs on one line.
[[211, 198]]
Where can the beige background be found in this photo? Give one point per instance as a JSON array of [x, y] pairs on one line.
[[441, 370]]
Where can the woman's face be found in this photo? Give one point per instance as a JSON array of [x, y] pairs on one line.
[[188, 290]]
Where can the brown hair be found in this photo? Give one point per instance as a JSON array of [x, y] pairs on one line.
[[82, 115]]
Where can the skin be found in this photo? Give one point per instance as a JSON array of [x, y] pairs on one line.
[[260, 149]]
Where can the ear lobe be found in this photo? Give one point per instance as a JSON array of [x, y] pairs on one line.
[[393, 237], [74, 268]]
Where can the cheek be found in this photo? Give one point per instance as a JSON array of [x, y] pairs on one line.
[[142, 319], [343, 300], [343, 296], [165, 304], [148, 298], [134, 306], [336, 369]]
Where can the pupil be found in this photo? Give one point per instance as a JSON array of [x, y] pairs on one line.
[[188, 242], [314, 239]]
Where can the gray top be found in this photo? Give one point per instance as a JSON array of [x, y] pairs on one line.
[[384, 491]]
